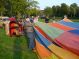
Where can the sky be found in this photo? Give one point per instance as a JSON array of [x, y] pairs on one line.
[[45, 3]]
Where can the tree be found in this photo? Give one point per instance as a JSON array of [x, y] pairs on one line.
[[54, 10], [16, 7], [32, 8], [64, 9], [48, 11], [33, 4], [2, 7], [77, 15], [58, 11], [73, 9]]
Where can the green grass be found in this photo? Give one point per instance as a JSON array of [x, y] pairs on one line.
[[41, 20], [14, 47], [74, 20]]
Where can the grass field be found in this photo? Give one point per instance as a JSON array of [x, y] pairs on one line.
[[14, 47], [74, 20]]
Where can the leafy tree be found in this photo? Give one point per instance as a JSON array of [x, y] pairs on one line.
[[16, 7], [73, 9], [48, 11], [64, 9], [2, 7], [77, 15], [32, 8], [54, 10], [58, 11]]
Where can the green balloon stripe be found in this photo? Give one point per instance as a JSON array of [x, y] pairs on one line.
[[52, 32]]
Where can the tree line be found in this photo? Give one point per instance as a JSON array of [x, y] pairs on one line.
[[18, 8], [64, 9]]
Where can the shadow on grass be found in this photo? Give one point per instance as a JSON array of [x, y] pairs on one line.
[[17, 48]]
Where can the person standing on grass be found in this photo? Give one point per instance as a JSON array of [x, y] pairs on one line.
[[6, 27], [46, 19], [32, 19], [36, 19], [66, 19], [30, 33]]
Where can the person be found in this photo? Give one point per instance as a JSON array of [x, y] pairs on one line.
[[66, 19], [30, 33], [20, 22], [6, 27], [14, 28], [32, 19], [36, 19], [46, 19]]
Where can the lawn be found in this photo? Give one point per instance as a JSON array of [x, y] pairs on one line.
[[14, 47], [74, 20]]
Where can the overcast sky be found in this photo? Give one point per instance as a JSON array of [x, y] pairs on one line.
[[50, 3]]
